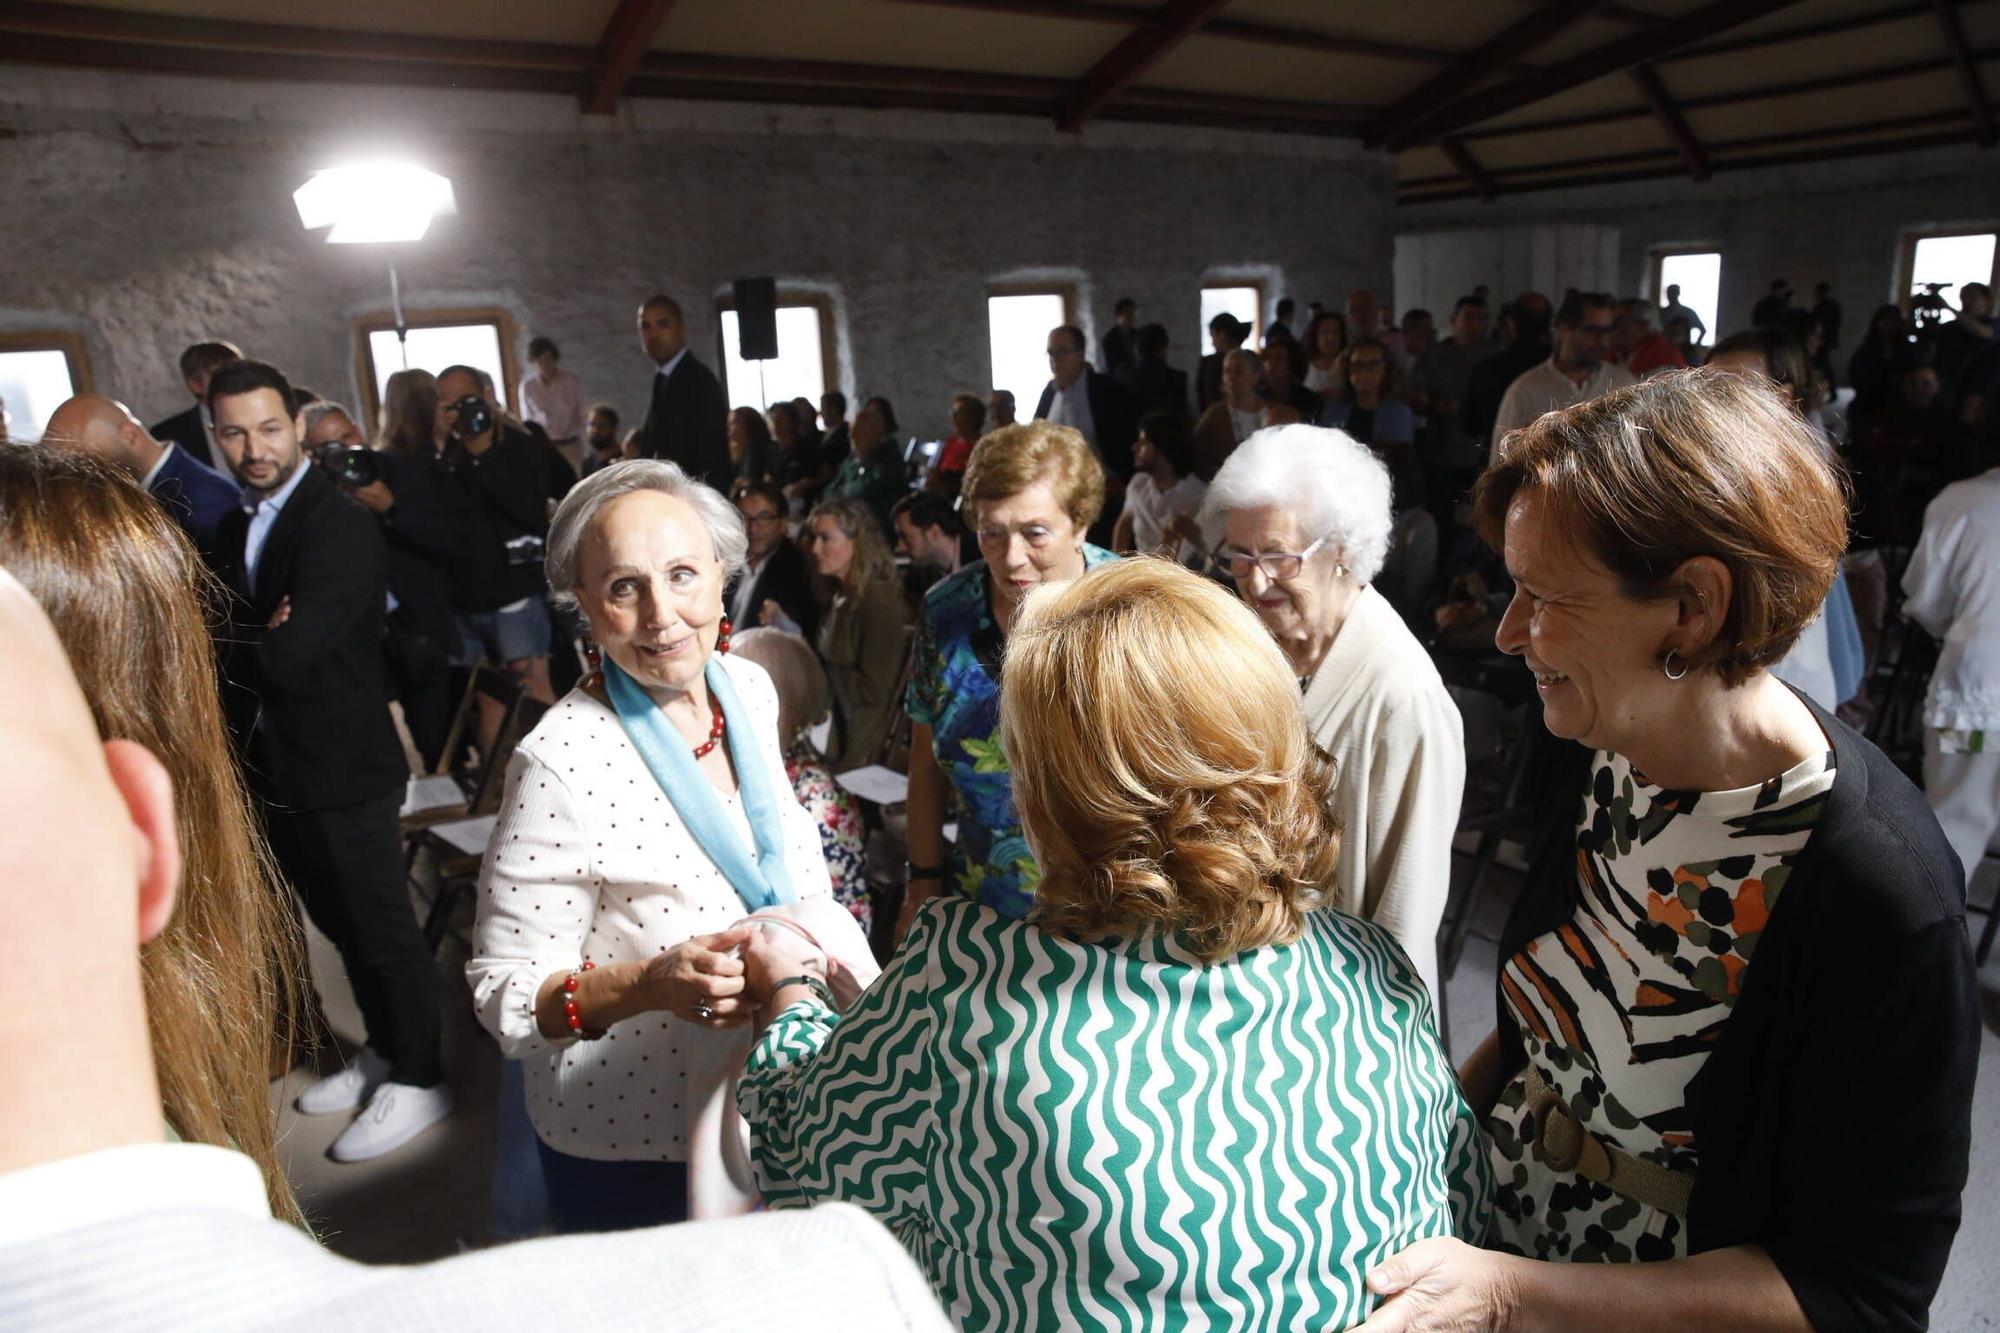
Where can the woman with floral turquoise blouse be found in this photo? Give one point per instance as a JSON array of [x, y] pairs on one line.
[[1184, 1093], [1031, 491]]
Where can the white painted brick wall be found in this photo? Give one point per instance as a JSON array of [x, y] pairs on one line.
[[149, 212]]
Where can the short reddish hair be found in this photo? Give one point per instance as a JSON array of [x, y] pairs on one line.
[[1691, 463]]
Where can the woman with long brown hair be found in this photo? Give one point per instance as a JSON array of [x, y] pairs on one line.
[[409, 415], [863, 630], [126, 594]]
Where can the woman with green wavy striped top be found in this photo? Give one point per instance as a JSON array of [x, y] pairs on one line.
[[1183, 1093]]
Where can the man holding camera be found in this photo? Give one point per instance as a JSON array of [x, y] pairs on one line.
[[303, 672], [403, 494], [497, 584]]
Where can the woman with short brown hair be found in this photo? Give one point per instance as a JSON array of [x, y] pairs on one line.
[[126, 593], [1738, 1021], [1183, 1092], [1031, 493]]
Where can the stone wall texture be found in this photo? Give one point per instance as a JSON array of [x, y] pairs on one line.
[[149, 212]]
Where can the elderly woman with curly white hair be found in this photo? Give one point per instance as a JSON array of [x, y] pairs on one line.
[[1304, 514], [645, 817]]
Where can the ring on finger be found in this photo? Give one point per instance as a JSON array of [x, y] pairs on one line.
[[702, 1011]]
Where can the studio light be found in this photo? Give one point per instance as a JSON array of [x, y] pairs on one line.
[[373, 201]]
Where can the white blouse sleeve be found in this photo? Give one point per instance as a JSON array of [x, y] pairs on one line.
[[537, 897]]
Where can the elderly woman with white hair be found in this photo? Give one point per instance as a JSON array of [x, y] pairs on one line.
[[1304, 515], [644, 818]]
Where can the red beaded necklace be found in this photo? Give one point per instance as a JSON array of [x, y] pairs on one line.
[[715, 729]]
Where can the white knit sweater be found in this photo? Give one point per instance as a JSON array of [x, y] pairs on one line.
[[1377, 706]]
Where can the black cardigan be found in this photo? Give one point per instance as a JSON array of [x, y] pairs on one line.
[[1833, 1119]]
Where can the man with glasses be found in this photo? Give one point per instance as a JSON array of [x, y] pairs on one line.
[[1096, 407], [1576, 372], [774, 569]]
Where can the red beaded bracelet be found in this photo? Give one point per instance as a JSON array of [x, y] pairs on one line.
[[569, 1003]]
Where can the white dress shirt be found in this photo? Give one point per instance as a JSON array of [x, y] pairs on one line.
[[668, 366], [1153, 509], [264, 516], [556, 404], [153, 472], [176, 1238], [1952, 588], [1546, 389], [113, 1183], [590, 861], [1071, 407]]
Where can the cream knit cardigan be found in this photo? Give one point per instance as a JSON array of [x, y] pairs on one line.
[[1377, 706]]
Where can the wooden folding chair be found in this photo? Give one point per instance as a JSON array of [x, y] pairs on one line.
[[458, 846], [455, 789]]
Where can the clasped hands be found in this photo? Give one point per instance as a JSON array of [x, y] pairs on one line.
[[723, 980]]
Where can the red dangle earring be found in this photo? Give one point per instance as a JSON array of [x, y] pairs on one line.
[[595, 660], [722, 636]]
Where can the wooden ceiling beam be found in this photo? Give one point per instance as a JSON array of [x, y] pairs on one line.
[[628, 36], [1763, 92], [1637, 47], [1266, 34], [1672, 123], [1819, 153], [1968, 73], [1515, 40], [1141, 49], [1803, 32], [1468, 166], [87, 23]]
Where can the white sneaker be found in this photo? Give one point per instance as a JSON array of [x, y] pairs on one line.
[[396, 1114], [349, 1088]]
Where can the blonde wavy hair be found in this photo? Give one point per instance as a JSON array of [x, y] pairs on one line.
[[1156, 798]]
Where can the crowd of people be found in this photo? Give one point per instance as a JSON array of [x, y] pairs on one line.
[[1127, 1011]]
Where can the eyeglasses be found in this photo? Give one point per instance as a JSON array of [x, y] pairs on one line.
[[1278, 566]]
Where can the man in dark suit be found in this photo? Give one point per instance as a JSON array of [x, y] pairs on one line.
[[1099, 408], [774, 569], [306, 568], [687, 421], [1157, 386], [1121, 340], [197, 496], [189, 429]]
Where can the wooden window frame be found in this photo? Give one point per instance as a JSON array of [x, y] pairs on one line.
[[1263, 289], [75, 354], [829, 350], [1906, 256], [385, 322]]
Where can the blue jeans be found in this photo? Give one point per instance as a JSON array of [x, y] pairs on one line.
[[520, 1203], [589, 1195], [507, 635]]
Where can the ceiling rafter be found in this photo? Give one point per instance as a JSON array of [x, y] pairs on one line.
[[1763, 92], [1139, 50], [1639, 46], [628, 36], [1672, 122], [1819, 153], [1468, 166], [1410, 111], [1968, 73]]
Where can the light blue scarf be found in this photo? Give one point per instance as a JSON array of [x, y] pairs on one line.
[[758, 874]]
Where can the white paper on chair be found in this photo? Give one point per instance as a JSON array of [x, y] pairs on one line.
[[431, 791], [884, 786]]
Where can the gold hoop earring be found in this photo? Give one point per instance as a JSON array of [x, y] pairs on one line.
[[1667, 667]]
